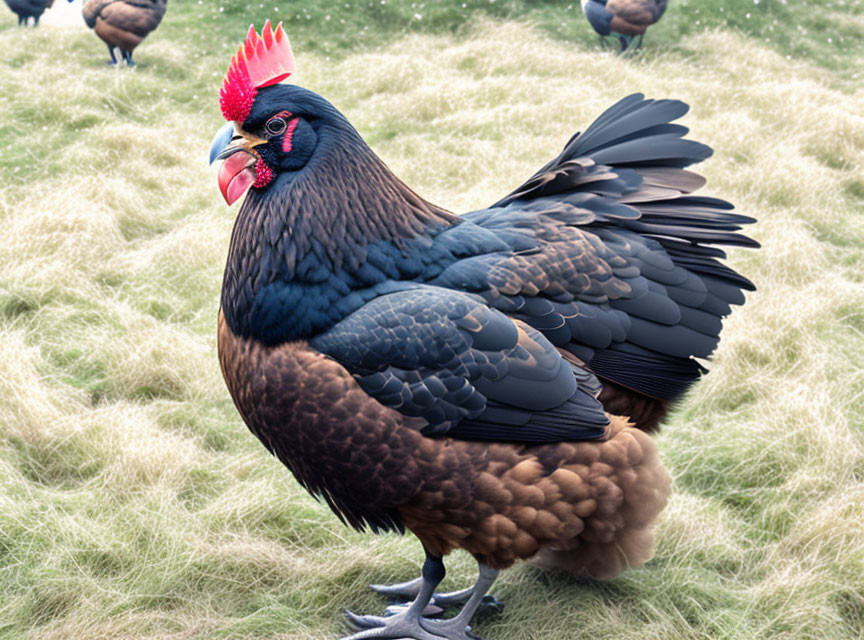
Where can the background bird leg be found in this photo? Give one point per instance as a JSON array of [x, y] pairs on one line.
[[111, 52], [127, 56], [625, 42]]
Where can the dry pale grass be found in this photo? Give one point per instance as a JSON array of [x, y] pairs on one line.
[[135, 504]]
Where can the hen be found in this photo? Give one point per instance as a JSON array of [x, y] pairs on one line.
[[26, 9], [123, 24], [627, 19], [484, 381]]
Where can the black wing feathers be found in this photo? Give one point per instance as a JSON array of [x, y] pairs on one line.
[[467, 370], [626, 176]]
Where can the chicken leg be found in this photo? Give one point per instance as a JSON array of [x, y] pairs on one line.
[[457, 628], [406, 623], [453, 629], [404, 592]]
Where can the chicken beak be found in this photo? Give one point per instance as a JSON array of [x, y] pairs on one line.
[[221, 140]]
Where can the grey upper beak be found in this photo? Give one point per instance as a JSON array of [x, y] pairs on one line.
[[221, 140]]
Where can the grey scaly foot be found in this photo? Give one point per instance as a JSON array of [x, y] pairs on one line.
[[457, 628], [448, 631], [402, 626], [398, 626], [451, 629], [401, 591], [488, 605], [431, 611], [406, 591]]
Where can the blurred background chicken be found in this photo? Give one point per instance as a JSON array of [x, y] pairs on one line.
[[26, 9], [123, 24], [626, 19], [485, 381]]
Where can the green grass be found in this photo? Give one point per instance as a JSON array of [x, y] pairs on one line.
[[135, 504]]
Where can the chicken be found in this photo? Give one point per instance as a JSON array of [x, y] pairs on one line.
[[123, 24], [26, 9], [485, 381], [627, 19]]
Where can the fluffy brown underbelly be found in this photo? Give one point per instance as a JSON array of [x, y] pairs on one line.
[[583, 506], [125, 40]]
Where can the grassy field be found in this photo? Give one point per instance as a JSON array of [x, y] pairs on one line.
[[135, 504]]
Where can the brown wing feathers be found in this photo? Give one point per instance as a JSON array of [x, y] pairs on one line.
[[633, 17]]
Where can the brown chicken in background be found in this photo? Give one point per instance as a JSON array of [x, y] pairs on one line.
[[626, 19], [123, 24]]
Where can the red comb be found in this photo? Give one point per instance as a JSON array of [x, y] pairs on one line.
[[259, 62]]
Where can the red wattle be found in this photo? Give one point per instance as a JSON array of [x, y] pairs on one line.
[[236, 175], [239, 185], [263, 174]]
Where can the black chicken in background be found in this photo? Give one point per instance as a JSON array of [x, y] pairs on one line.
[[26, 9]]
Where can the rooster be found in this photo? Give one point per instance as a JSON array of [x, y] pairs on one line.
[[123, 24], [627, 19], [26, 9], [486, 381]]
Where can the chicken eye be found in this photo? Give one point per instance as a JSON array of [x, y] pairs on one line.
[[275, 126]]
